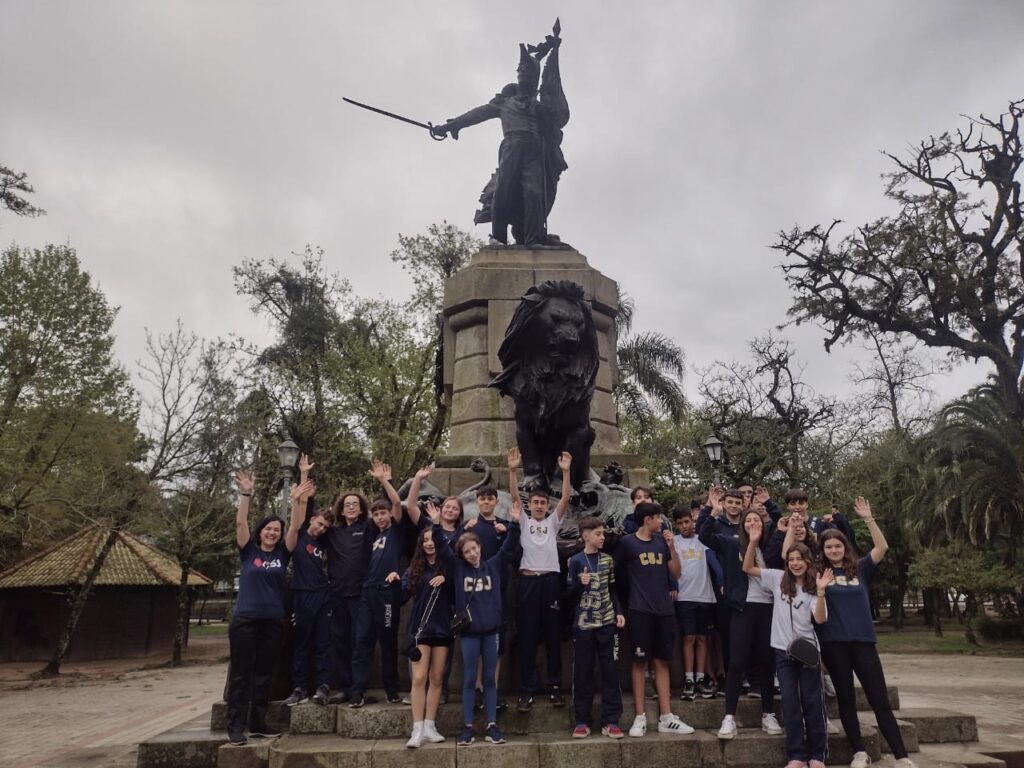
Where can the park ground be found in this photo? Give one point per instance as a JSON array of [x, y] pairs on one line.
[[96, 713]]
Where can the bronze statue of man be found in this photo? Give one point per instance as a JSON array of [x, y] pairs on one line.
[[532, 112]]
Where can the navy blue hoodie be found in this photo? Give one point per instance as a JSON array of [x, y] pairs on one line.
[[438, 626], [483, 582]]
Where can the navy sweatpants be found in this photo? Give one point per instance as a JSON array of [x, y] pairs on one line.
[[312, 609], [377, 622], [600, 646], [537, 619]]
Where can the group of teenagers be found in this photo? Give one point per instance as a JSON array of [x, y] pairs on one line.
[[784, 597]]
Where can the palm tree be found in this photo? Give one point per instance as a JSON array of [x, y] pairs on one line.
[[651, 368], [973, 471]]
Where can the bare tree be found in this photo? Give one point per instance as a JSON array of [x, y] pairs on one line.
[[899, 381], [947, 269]]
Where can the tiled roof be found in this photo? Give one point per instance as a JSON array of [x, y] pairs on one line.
[[131, 562]]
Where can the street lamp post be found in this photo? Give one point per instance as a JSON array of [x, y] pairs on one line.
[[287, 455], [713, 448]]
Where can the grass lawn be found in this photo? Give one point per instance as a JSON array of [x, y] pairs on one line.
[[208, 630], [917, 639]]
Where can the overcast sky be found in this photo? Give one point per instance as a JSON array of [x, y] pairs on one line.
[[169, 141]]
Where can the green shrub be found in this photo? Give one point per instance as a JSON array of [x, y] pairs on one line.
[[996, 630]]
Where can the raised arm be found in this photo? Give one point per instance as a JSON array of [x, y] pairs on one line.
[[675, 568], [412, 501], [821, 606], [300, 495], [565, 464], [508, 547], [381, 472], [879, 546], [305, 465], [749, 558], [245, 484], [787, 543], [514, 460]]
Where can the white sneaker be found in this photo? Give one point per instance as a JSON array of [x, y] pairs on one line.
[[728, 729], [416, 740], [770, 725], [860, 760], [430, 733], [639, 727], [827, 686], [905, 762], [671, 723], [831, 728]]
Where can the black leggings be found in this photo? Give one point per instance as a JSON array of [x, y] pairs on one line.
[[750, 647], [842, 660]]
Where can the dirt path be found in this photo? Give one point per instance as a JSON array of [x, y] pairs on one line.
[[987, 687], [99, 712]]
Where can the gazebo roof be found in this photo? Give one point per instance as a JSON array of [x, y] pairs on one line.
[[131, 562]]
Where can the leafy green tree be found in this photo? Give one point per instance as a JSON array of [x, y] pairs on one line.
[[964, 572], [431, 259], [63, 396], [944, 269]]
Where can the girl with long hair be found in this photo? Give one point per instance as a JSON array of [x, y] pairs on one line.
[[477, 585], [430, 625], [848, 639], [257, 623], [798, 604], [750, 608]]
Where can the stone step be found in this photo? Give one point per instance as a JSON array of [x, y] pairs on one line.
[[372, 721], [966, 755], [907, 730], [939, 726], [750, 749], [190, 745]]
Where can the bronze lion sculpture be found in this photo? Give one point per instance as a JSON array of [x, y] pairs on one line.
[[549, 361]]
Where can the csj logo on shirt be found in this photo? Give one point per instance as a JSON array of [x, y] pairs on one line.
[[275, 563]]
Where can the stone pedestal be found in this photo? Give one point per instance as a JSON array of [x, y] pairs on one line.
[[479, 302]]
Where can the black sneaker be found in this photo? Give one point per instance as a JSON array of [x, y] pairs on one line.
[[689, 690], [478, 700], [339, 698], [358, 702], [556, 696], [720, 684], [502, 705], [298, 696], [706, 688], [394, 698], [494, 735], [237, 739], [745, 687], [264, 733], [525, 703], [465, 736], [321, 695]]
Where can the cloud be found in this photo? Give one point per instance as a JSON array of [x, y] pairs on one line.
[[169, 141]]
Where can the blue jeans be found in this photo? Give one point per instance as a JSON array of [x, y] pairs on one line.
[[803, 709], [475, 647]]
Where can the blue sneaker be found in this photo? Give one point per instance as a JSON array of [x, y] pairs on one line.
[[494, 735], [465, 736]]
